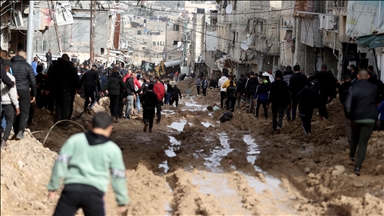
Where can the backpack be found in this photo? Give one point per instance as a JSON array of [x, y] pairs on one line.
[[227, 116]]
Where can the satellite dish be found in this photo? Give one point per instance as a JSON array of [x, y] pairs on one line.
[[244, 45], [228, 9]]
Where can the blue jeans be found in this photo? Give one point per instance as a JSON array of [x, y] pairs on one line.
[[167, 98], [138, 102], [129, 106], [3, 123]]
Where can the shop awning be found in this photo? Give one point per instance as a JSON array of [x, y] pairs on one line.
[[372, 41]]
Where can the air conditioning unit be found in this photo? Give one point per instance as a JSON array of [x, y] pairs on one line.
[[322, 21], [330, 22], [18, 18], [287, 24]]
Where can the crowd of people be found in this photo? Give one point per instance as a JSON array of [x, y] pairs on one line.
[[360, 92], [55, 88]]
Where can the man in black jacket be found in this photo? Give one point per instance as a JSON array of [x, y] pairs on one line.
[[360, 107], [63, 82], [91, 83], [25, 79], [327, 88], [250, 90], [240, 89], [279, 97], [343, 91], [114, 86], [149, 101], [296, 83], [48, 57], [130, 86]]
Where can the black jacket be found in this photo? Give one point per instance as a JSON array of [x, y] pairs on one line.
[[130, 86], [144, 87], [91, 79], [360, 102], [176, 93], [149, 99], [48, 56], [114, 84], [169, 88], [343, 90], [62, 77], [296, 83], [308, 99], [327, 83], [279, 95], [231, 91], [241, 84], [23, 73], [251, 85]]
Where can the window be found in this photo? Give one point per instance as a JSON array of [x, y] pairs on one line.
[[102, 51], [158, 43], [154, 43], [139, 32], [234, 38], [175, 27], [145, 43], [261, 27], [175, 42]]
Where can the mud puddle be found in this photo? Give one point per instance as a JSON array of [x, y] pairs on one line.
[[218, 153], [179, 126]]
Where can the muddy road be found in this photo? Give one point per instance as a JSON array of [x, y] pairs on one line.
[[192, 164]]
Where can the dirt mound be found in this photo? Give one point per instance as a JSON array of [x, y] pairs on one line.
[[25, 172]]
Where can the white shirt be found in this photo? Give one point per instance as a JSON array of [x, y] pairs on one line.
[[221, 82]]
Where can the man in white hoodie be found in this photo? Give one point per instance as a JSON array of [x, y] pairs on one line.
[[9, 103], [223, 91]]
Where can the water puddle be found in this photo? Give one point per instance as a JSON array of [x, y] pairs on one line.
[[165, 166], [218, 153], [179, 126], [167, 206], [170, 152], [273, 185], [191, 105], [253, 150], [216, 184], [207, 124]]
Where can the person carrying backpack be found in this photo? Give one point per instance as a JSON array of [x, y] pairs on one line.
[[261, 97]]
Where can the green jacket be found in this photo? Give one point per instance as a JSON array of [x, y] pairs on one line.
[[89, 158]]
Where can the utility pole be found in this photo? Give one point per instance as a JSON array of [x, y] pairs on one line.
[[30, 32], [56, 27], [185, 50], [92, 34]]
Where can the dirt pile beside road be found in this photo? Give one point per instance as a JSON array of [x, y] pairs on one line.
[[25, 172]]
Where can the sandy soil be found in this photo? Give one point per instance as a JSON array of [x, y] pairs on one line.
[[194, 165]]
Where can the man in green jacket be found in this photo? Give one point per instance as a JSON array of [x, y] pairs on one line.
[[85, 162]]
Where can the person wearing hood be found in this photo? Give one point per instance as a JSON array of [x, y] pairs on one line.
[[296, 83], [114, 87], [25, 79], [223, 90], [175, 95], [286, 77], [91, 82], [250, 90], [279, 98], [240, 89], [308, 98], [149, 102], [63, 82]]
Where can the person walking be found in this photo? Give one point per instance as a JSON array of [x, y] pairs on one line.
[[169, 92], [204, 86], [34, 65], [9, 104], [63, 82], [86, 162], [91, 82], [231, 96], [114, 86], [286, 77], [308, 98], [296, 83], [48, 57], [327, 88], [175, 95], [130, 88], [198, 84], [279, 99], [261, 97], [149, 101], [250, 90], [343, 90], [223, 91], [360, 107], [42, 88], [240, 90], [158, 89], [25, 79]]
